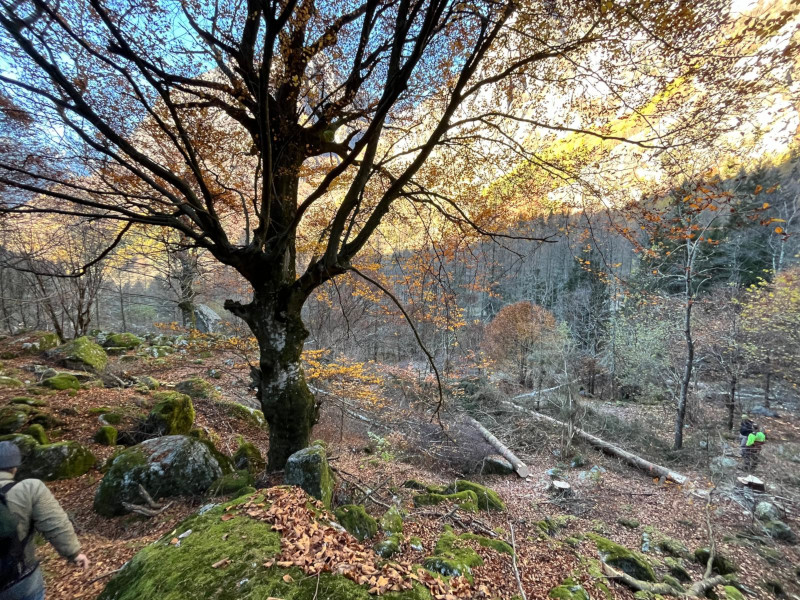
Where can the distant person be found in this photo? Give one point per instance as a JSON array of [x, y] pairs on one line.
[[752, 450], [745, 429], [27, 507]]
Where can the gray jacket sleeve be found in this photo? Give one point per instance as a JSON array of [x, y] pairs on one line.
[[52, 522]]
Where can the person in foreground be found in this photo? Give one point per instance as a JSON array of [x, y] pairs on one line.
[[27, 507]]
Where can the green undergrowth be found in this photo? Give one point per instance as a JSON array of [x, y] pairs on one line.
[[170, 571]]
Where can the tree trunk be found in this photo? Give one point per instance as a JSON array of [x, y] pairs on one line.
[[288, 405], [630, 458], [767, 378], [680, 417], [520, 468], [731, 402]]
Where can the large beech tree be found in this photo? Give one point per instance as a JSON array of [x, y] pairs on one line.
[[251, 125]]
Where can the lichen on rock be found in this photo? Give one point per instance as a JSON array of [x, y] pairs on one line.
[[392, 521], [389, 546], [37, 432]]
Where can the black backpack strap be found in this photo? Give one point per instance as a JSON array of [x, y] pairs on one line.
[[5, 489]]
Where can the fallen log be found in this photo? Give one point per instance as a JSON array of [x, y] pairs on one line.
[[631, 459], [520, 468]]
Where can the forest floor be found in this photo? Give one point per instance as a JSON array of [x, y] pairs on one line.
[[544, 561]]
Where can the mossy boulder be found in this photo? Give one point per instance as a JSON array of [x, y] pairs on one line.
[[35, 402], [168, 571], [452, 557], [620, 557], [62, 460], [666, 544], [62, 381], [111, 418], [629, 523], [308, 469], [25, 443], [356, 521], [231, 483], [13, 418], [196, 388], [467, 500], [731, 593], [392, 521], [173, 414], [106, 435], [569, 590], [11, 382], [487, 498], [389, 546], [244, 413], [413, 484], [83, 354], [721, 565], [47, 340], [498, 546], [151, 383], [37, 432], [126, 341], [247, 456], [780, 531], [173, 465], [552, 525], [677, 570]]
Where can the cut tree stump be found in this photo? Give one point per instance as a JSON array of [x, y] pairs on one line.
[[520, 468], [560, 487], [752, 482], [636, 461]]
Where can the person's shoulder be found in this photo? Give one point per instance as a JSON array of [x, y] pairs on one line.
[[29, 486]]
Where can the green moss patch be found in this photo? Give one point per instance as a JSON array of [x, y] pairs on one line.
[[487, 498], [82, 353], [62, 381], [392, 521], [666, 544], [62, 460], [106, 435], [467, 500], [721, 564], [247, 456], [356, 521], [452, 558], [173, 414], [308, 469], [390, 546], [197, 387], [620, 557], [552, 525], [37, 432], [497, 545], [569, 590], [11, 382], [126, 341], [36, 402], [231, 483]]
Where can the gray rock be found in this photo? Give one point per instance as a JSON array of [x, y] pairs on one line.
[[764, 411], [723, 465], [206, 319], [308, 469], [173, 465], [766, 511], [780, 531]]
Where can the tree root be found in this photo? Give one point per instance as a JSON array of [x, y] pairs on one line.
[[697, 590], [152, 509]]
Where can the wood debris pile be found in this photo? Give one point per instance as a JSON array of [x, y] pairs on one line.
[[308, 543]]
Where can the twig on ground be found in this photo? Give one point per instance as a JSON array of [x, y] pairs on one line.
[[514, 562]]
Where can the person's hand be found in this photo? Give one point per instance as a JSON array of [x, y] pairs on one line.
[[82, 561]]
